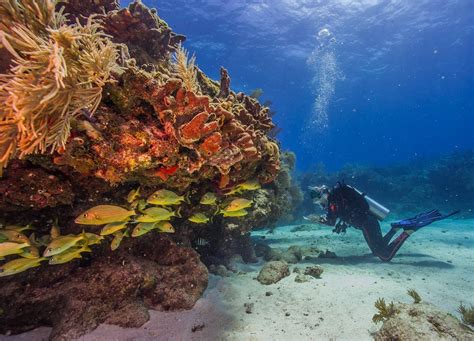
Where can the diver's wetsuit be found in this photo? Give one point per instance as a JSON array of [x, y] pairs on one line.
[[351, 208]]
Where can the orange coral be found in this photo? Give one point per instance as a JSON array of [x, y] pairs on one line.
[[181, 137]]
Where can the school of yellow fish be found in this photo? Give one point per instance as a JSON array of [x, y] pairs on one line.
[[145, 215]]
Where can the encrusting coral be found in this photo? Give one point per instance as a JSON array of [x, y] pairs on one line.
[[59, 72]]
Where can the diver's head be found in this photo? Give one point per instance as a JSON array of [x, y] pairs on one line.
[[319, 194]]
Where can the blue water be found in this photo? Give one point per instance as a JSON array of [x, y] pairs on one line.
[[394, 77]]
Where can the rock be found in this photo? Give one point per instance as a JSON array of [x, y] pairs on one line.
[[327, 254], [222, 271], [297, 251], [261, 249], [289, 257], [273, 254], [314, 271], [248, 307], [300, 278], [273, 272], [422, 321], [268, 293], [74, 300]]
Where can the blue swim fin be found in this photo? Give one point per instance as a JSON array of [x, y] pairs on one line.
[[420, 220]]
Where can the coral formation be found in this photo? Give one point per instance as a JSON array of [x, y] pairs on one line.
[[95, 106], [157, 274], [59, 72], [422, 321]]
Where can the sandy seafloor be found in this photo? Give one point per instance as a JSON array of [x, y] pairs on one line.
[[437, 261]]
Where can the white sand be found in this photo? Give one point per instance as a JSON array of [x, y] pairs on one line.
[[436, 262]]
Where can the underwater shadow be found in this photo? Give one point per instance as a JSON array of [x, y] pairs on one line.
[[371, 259]]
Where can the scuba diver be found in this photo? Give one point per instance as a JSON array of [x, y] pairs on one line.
[[354, 208]]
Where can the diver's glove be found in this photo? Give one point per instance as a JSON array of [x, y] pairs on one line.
[[314, 218], [340, 227]]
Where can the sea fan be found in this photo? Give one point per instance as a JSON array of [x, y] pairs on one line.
[[416, 297], [384, 311], [185, 68], [58, 71]]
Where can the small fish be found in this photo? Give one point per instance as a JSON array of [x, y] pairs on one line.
[[153, 214], [118, 237], [69, 255], [14, 236], [237, 205], [250, 185], [199, 218], [208, 199], [11, 248], [164, 197], [33, 241], [113, 227], [30, 252], [133, 195], [92, 239], [165, 227], [138, 205], [18, 228], [104, 214], [19, 265], [55, 231], [143, 228], [44, 240], [239, 213], [62, 243], [202, 242]]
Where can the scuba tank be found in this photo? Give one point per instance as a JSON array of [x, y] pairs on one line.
[[378, 210]]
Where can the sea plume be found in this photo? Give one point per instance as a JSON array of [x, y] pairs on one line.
[[185, 68], [58, 70]]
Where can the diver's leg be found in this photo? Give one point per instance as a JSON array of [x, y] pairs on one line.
[[379, 245], [388, 237], [392, 248], [373, 235]]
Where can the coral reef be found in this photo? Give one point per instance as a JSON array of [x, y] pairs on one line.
[[446, 183], [99, 101], [59, 72], [422, 321]]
